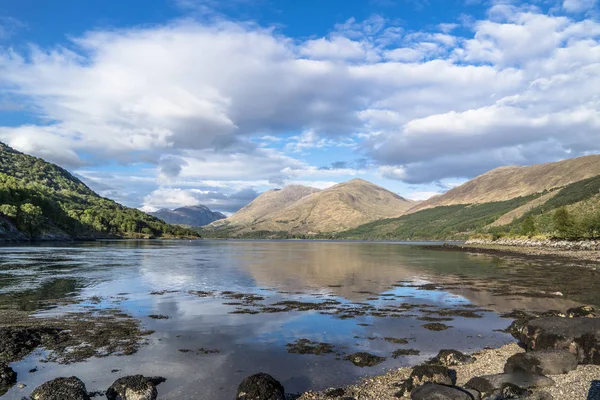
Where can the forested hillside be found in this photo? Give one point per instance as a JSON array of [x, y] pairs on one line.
[[43, 200]]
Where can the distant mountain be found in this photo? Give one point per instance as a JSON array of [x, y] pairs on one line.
[[300, 211], [265, 206], [40, 200], [190, 216], [508, 200]]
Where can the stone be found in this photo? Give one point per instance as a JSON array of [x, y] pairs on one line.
[[16, 342], [61, 389], [542, 362], [8, 378], [580, 336], [434, 391], [449, 358], [362, 359], [490, 383], [583, 311], [510, 391], [260, 386], [135, 387]]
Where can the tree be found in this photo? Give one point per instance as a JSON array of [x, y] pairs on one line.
[[31, 218], [528, 226], [9, 210], [564, 223]]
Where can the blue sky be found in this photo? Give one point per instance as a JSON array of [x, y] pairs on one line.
[[164, 103]]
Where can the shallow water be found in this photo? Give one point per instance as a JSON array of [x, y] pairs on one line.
[[367, 279]]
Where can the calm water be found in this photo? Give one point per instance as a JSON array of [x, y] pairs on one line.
[[379, 276]]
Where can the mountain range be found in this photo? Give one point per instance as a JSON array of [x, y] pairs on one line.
[[189, 216], [300, 210], [40, 200], [494, 203]]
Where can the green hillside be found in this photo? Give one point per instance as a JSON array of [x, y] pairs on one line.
[[41, 199], [446, 222], [573, 213]]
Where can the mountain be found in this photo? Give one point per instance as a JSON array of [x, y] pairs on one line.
[[190, 216], [40, 200], [265, 206], [335, 209], [510, 182], [504, 201]]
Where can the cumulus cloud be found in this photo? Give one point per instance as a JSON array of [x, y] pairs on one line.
[[233, 102], [175, 197]]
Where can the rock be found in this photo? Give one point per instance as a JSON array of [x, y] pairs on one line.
[[426, 373], [449, 358], [8, 378], [433, 391], [16, 341], [61, 389], [363, 359], [135, 387], [542, 362], [491, 383], [583, 311], [580, 336], [260, 387], [510, 391]]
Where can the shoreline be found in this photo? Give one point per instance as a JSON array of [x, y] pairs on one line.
[[573, 386], [530, 252]]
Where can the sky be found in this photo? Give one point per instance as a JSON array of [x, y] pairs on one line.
[[169, 103]]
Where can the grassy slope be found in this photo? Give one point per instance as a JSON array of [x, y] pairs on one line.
[[445, 222]]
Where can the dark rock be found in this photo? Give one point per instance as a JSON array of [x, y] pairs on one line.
[[339, 392], [260, 387], [363, 359], [8, 378], [436, 326], [433, 391], [491, 383], [16, 342], [449, 358], [581, 336], [426, 373], [583, 311], [61, 389], [542, 362], [135, 387], [509, 391]]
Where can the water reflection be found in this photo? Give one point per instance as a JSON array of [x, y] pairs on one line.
[[376, 275]]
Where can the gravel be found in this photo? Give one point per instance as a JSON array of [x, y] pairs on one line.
[[573, 386]]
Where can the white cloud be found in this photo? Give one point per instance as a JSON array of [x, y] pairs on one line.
[[576, 6], [421, 196], [208, 102]]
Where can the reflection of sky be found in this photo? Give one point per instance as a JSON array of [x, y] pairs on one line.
[[123, 274]]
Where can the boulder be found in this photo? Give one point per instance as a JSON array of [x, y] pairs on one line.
[[135, 387], [449, 358], [583, 311], [61, 389], [362, 359], [16, 342], [260, 387], [490, 383], [8, 378], [433, 391], [580, 336], [542, 362], [510, 391], [425, 373]]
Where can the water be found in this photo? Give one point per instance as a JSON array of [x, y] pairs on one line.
[[361, 278]]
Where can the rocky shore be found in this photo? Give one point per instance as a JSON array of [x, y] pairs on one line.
[[557, 357], [584, 250]]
